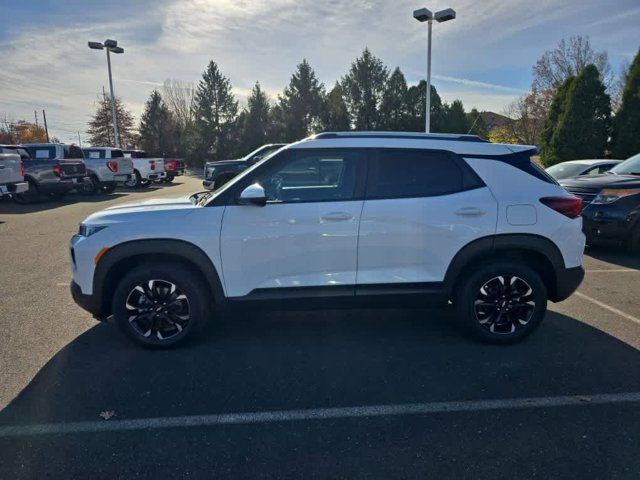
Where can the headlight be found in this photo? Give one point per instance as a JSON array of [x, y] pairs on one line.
[[610, 195], [88, 230]]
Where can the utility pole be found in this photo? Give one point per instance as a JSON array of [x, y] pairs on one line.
[[35, 114], [79, 141], [46, 129]]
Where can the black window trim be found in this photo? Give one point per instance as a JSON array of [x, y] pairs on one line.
[[470, 179]]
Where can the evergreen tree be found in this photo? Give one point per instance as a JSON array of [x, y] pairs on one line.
[[301, 104], [456, 120], [157, 135], [100, 129], [336, 115], [584, 126], [625, 139], [215, 110], [558, 104], [363, 88], [394, 113], [416, 109], [476, 124], [254, 121]]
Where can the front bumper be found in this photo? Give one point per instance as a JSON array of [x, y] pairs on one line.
[[610, 224], [88, 302], [11, 188]]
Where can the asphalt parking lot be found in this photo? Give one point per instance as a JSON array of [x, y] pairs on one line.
[[308, 394]]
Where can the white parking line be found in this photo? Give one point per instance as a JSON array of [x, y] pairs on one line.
[[612, 270], [316, 414], [609, 307]]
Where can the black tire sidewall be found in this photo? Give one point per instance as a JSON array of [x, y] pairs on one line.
[[188, 281], [469, 288]]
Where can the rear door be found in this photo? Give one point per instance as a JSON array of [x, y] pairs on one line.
[[307, 233], [421, 208]]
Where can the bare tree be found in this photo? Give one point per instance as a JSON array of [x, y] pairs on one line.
[[617, 86], [566, 60], [178, 96], [528, 114]]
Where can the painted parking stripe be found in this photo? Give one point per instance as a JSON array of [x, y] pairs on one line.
[[608, 307], [316, 414], [612, 270]]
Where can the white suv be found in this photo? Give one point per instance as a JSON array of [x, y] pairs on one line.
[[354, 216]]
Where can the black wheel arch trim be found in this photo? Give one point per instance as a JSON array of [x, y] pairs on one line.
[[488, 246], [183, 249]]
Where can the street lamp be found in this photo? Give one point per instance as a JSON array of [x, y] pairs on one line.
[[111, 46], [425, 15]]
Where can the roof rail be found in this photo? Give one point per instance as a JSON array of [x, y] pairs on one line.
[[402, 135]]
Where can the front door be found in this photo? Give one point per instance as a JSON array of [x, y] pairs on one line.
[[306, 235]]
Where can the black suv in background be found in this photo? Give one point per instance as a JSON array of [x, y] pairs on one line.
[[612, 204], [218, 173]]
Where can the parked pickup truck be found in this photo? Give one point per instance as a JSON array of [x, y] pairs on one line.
[[51, 169], [145, 170], [173, 167], [220, 172], [11, 173], [106, 168]]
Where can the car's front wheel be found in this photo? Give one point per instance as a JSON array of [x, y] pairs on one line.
[[160, 305], [501, 302]]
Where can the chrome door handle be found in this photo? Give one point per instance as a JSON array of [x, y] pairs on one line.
[[470, 212], [336, 217]]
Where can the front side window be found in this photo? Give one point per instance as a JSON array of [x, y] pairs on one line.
[[313, 176], [413, 173], [44, 153]]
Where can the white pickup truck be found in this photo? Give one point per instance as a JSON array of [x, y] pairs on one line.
[[145, 170], [106, 168], [11, 174]]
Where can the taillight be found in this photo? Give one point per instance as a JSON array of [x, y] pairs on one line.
[[22, 172], [57, 170], [152, 164], [569, 206], [113, 166]]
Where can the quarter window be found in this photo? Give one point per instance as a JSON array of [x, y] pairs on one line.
[[413, 173]]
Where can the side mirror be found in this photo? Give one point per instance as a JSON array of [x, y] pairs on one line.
[[253, 195]]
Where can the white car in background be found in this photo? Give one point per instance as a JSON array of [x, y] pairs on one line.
[[106, 168], [576, 168], [145, 170], [11, 173]]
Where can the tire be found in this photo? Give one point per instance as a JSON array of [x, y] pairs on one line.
[[169, 179], [146, 322], [108, 187], [32, 194], [492, 303], [134, 181], [90, 186]]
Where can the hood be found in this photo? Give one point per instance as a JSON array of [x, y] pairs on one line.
[[237, 161], [601, 181], [159, 207]]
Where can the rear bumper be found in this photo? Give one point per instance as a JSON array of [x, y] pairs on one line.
[[88, 302], [567, 281], [61, 186], [176, 173], [17, 187]]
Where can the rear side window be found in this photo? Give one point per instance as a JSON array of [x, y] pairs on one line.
[[94, 154], [414, 173]]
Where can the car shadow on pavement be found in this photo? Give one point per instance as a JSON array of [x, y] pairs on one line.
[[615, 255], [263, 360], [12, 208]]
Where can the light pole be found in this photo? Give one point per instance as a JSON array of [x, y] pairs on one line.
[[425, 15], [111, 46]]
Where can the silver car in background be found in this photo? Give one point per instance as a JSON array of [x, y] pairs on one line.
[[106, 168], [576, 168]]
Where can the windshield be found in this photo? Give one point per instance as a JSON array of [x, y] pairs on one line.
[[631, 166], [262, 152], [565, 170]]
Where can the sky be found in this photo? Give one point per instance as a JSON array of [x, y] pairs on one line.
[[483, 57]]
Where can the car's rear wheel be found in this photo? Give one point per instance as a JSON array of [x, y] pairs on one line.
[[501, 302], [31, 195], [108, 187], [134, 181], [160, 305], [89, 185]]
